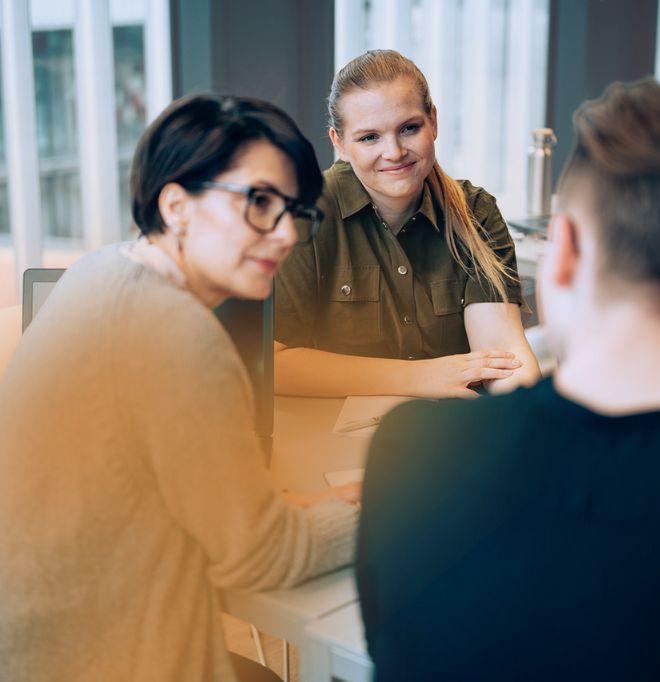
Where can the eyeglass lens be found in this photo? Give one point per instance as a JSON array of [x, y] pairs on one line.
[[265, 208]]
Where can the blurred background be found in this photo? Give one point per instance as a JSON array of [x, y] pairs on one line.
[[82, 78]]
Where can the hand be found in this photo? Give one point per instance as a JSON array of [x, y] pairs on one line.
[[450, 376], [350, 492]]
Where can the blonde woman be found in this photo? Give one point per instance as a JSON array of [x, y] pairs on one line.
[[410, 286]]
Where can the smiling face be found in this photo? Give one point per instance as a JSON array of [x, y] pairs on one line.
[[220, 253], [387, 137]]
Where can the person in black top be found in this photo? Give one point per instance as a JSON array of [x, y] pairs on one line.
[[516, 537]]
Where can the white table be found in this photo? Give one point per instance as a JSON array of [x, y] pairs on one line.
[[304, 448], [335, 648]]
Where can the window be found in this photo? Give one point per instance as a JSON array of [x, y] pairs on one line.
[[78, 107], [130, 97], [57, 144], [485, 61]]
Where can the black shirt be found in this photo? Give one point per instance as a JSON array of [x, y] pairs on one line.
[[512, 538]]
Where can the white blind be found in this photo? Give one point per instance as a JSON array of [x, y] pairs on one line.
[[486, 63]]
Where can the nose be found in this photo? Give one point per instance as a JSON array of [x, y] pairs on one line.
[[393, 150], [285, 231]]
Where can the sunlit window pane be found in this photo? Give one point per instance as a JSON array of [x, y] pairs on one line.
[[4, 197], [130, 95], [54, 85]]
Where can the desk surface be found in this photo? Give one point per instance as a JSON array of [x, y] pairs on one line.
[[335, 648], [304, 448]]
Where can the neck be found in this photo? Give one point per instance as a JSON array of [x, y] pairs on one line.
[[206, 294], [612, 361], [396, 212]]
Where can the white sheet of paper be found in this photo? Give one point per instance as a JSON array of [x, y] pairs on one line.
[[359, 407], [343, 477]]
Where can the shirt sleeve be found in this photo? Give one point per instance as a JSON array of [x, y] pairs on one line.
[[496, 232], [189, 406]]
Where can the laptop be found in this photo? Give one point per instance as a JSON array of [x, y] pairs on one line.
[[37, 284], [248, 323]]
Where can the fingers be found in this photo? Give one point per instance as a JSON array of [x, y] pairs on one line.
[[481, 354], [465, 393], [480, 373], [499, 363], [497, 359]]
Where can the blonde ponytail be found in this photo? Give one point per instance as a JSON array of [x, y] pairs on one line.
[[463, 236]]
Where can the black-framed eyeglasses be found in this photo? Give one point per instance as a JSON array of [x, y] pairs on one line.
[[265, 206]]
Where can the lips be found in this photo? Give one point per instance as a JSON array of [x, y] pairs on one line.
[[398, 169], [266, 264]]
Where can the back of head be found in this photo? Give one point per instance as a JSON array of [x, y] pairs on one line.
[[371, 68], [200, 136], [615, 166]]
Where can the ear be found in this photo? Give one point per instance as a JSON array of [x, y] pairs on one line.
[[174, 204], [434, 122], [564, 249], [338, 144]]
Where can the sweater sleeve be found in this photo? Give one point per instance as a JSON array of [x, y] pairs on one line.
[[188, 401]]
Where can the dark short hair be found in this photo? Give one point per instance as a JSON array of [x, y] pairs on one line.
[[617, 152], [199, 136]]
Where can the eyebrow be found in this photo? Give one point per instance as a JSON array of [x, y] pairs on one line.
[[362, 131], [263, 184]]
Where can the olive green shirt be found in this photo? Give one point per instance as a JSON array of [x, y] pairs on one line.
[[359, 289]]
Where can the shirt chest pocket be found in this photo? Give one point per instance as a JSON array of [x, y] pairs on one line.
[[448, 336], [447, 296], [351, 320]]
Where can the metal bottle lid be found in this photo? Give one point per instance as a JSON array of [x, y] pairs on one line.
[[544, 137]]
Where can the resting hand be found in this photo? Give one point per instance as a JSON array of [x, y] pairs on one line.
[[350, 492], [450, 376]]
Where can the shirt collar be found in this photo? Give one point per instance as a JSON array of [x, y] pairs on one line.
[[351, 194], [353, 197], [427, 207], [153, 257]]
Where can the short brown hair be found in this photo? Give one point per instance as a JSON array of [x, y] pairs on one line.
[[617, 152], [199, 136]]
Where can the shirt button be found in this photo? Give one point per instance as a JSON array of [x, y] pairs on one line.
[[346, 290], [412, 357], [407, 319], [402, 270], [462, 301], [413, 218]]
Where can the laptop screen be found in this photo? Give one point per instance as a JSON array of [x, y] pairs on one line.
[[37, 285]]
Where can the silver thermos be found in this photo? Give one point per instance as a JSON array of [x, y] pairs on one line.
[[539, 172]]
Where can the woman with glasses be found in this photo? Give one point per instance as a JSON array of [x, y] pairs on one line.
[[133, 485], [410, 286]]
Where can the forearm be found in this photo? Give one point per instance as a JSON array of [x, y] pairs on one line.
[[498, 325], [526, 375], [311, 372]]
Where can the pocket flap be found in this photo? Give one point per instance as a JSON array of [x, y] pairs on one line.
[[447, 295], [359, 283]]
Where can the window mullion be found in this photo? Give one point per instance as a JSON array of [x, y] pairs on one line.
[[392, 25], [158, 58], [350, 31], [97, 131], [21, 135]]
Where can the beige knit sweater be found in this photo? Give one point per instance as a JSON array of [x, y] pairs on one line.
[[132, 487]]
